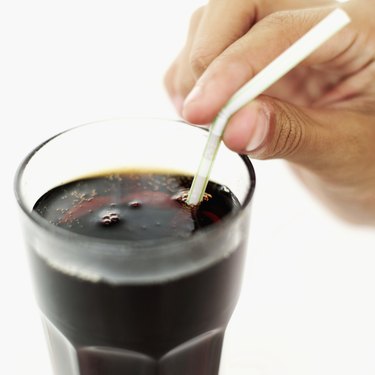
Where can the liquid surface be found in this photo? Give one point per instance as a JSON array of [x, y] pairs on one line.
[[129, 206]]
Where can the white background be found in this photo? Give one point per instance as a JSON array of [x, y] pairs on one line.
[[308, 301]]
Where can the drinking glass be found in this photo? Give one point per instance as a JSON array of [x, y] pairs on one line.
[[147, 307]]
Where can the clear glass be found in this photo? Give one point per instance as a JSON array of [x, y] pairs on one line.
[[113, 307]]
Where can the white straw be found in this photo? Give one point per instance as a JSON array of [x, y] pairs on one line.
[[289, 59]]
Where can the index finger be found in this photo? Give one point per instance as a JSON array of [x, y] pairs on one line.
[[251, 53], [222, 23]]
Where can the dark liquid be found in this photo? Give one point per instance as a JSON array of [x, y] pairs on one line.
[[134, 206], [171, 328]]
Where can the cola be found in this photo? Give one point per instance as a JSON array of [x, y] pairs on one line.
[[168, 327]]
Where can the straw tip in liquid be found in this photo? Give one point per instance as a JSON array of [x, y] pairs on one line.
[[182, 198]]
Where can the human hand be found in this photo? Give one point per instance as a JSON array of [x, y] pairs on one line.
[[320, 117]]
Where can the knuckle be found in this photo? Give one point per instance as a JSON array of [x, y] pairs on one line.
[[279, 19], [290, 24], [291, 18], [281, 23], [199, 60]]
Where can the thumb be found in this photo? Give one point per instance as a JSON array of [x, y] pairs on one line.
[[268, 128]]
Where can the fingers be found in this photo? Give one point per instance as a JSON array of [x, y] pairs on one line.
[[222, 23], [249, 54], [179, 78], [179, 81], [212, 29], [360, 83], [333, 150], [324, 141], [268, 128]]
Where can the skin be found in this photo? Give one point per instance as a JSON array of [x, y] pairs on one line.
[[320, 117]]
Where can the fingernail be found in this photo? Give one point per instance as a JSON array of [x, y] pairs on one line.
[[261, 127], [193, 96]]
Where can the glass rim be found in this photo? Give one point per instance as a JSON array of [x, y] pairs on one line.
[[43, 224]]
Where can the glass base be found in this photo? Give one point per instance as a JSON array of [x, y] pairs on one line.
[[199, 356]]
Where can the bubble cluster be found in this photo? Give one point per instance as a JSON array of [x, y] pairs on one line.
[[182, 197], [110, 219]]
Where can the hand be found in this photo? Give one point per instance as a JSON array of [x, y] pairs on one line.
[[320, 117]]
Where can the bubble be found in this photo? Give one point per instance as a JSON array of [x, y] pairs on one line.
[[181, 196], [135, 204], [172, 184], [110, 219], [153, 184], [155, 181]]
